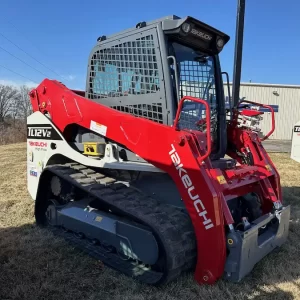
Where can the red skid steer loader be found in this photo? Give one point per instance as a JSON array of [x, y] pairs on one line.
[[147, 169]]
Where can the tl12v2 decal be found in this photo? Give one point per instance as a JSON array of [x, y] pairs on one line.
[[42, 132]]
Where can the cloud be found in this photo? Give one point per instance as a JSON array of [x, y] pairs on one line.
[[18, 84], [69, 77]]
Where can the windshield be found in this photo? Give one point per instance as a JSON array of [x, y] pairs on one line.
[[196, 78]]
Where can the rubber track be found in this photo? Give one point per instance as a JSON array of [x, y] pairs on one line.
[[172, 226]]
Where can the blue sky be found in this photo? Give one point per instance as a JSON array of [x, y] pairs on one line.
[[60, 34]]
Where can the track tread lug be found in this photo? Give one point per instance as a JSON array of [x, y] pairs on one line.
[[85, 181], [106, 180], [78, 167], [77, 176], [97, 176], [88, 172]]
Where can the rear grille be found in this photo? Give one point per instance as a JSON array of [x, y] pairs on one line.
[[129, 68]]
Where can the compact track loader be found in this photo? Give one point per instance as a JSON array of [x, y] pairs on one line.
[[148, 169]]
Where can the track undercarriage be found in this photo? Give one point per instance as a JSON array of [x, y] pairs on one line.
[[107, 199]]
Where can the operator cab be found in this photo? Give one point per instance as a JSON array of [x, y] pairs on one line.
[[193, 49], [146, 70]]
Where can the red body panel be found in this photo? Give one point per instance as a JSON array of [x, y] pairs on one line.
[[251, 113], [203, 189]]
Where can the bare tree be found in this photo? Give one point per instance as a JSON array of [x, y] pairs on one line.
[[23, 104], [15, 106], [14, 112], [8, 96]]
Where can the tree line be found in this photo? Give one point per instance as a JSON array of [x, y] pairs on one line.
[[15, 106]]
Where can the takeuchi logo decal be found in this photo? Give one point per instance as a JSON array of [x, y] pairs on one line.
[[38, 144], [188, 185], [201, 34]]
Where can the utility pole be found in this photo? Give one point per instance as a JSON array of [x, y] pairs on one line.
[[239, 34]]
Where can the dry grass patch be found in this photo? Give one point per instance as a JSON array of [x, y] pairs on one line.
[[36, 265]]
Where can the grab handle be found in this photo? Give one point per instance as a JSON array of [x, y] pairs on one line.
[[205, 103]]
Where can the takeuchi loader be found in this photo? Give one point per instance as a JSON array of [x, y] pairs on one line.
[[148, 170]]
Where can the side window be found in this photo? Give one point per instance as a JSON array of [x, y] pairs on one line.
[[123, 69], [196, 74]]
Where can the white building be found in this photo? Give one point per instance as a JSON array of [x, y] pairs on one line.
[[287, 97]]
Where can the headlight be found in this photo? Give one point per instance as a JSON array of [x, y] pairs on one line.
[[186, 27], [220, 43]]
